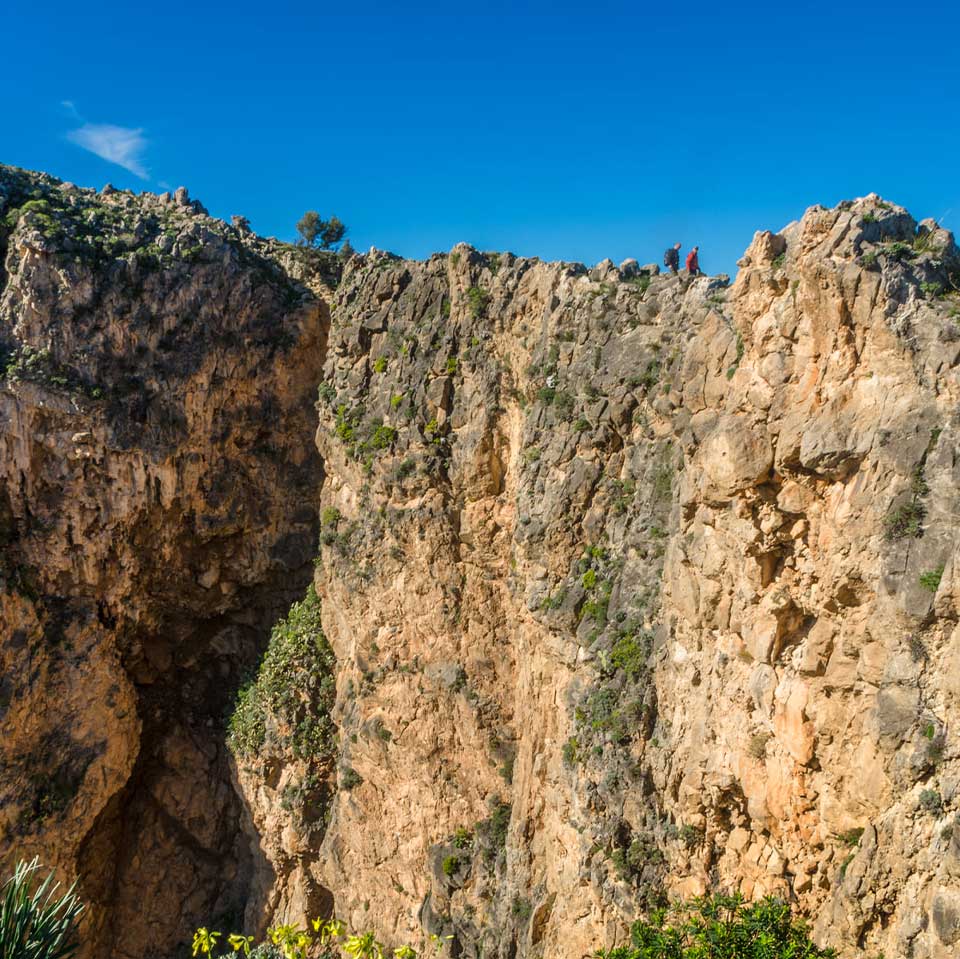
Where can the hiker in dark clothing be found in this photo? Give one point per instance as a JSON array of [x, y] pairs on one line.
[[693, 264], [671, 258]]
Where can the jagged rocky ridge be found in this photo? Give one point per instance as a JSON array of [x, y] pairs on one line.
[[636, 587]]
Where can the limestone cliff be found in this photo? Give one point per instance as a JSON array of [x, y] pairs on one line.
[[635, 586], [157, 483]]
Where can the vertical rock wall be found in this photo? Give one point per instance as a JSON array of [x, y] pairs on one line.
[[157, 513], [637, 586], [641, 587]]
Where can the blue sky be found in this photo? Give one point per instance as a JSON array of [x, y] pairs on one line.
[[566, 131]]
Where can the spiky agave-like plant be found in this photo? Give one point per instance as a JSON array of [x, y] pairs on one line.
[[36, 923]]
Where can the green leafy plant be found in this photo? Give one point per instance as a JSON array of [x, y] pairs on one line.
[[930, 580], [720, 927], [851, 837], [364, 946], [906, 520], [450, 865], [36, 923], [932, 289], [293, 691], [521, 908], [477, 301]]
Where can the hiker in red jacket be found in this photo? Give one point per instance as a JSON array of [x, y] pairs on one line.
[[693, 264]]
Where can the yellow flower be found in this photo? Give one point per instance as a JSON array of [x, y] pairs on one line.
[[240, 942], [204, 940]]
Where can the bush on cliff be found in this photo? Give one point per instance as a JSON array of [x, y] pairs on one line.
[[288, 703], [720, 927]]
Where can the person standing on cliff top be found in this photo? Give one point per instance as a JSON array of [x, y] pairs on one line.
[[671, 258], [693, 263]]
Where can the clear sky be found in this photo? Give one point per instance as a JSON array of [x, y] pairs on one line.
[[564, 130]]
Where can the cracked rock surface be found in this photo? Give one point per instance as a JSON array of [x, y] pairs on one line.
[[637, 586]]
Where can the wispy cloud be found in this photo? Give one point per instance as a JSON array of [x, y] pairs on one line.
[[124, 146]]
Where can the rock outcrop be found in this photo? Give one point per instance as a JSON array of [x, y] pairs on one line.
[[636, 586], [157, 513]]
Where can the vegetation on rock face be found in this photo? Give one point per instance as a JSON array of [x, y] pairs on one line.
[[720, 927], [289, 701], [35, 923]]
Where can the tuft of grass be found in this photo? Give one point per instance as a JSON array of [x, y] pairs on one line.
[[36, 923]]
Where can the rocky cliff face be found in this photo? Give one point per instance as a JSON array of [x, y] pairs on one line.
[[634, 587], [157, 487]]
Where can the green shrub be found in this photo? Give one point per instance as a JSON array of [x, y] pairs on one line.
[[349, 778], [491, 833], [463, 838], [521, 908], [477, 301], [906, 520], [329, 516], [406, 468], [35, 923], [931, 801], [571, 752], [720, 927], [630, 653], [930, 580], [290, 699], [383, 437], [450, 865], [898, 250], [691, 836], [851, 837], [380, 364]]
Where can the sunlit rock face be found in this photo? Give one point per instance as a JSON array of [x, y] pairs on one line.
[[637, 586], [158, 511]]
